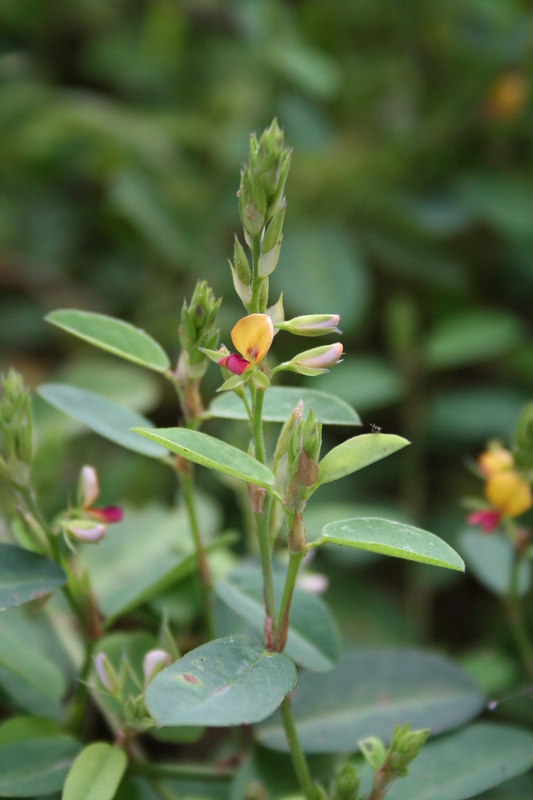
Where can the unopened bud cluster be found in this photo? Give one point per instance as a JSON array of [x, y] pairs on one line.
[[391, 763], [116, 683], [15, 430], [198, 330], [296, 468], [262, 212]]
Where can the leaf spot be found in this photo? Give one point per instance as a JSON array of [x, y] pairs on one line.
[[189, 678]]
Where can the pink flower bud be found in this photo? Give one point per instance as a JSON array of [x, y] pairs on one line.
[[313, 582], [108, 515], [85, 531], [488, 520], [312, 325], [105, 672], [319, 358], [154, 661], [88, 487]]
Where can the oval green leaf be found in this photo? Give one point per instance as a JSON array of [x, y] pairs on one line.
[[96, 773], [231, 681], [211, 453], [113, 335], [368, 693], [25, 576], [312, 642], [280, 401], [392, 539], [36, 767], [490, 560], [102, 416], [467, 763], [356, 453]]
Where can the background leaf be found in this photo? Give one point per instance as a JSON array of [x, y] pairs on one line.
[[279, 403], [490, 559], [368, 693], [25, 576], [128, 567], [473, 336], [466, 763], [102, 416], [36, 766], [312, 642]]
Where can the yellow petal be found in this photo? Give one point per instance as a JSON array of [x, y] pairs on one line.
[[252, 337], [495, 459], [509, 493]]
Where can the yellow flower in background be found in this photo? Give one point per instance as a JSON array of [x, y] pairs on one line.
[[495, 459], [252, 337], [509, 493]]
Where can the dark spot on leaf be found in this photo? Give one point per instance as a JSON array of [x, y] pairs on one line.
[[189, 678]]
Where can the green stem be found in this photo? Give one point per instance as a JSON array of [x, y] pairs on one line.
[[201, 558], [257, 282], [258, 426], [261, 519], [184, 771], [76, 713], [515, 617], [298, 758], [284, 612]]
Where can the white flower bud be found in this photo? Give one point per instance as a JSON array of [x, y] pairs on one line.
[[88, 487], [86, 531], [106, 673], [154, 661]]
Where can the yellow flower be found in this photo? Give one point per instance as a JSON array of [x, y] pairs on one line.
[[509, 493], [495, 459], [252, 337]]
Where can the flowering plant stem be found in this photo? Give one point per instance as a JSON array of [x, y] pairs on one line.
[[185, 479], [261, 518], [273, 626], [203, 566], [515, 616], [298, 757]]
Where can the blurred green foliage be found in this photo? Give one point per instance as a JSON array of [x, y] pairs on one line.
[[122, 129]]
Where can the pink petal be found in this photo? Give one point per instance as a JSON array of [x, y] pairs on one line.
[[235, 363]]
